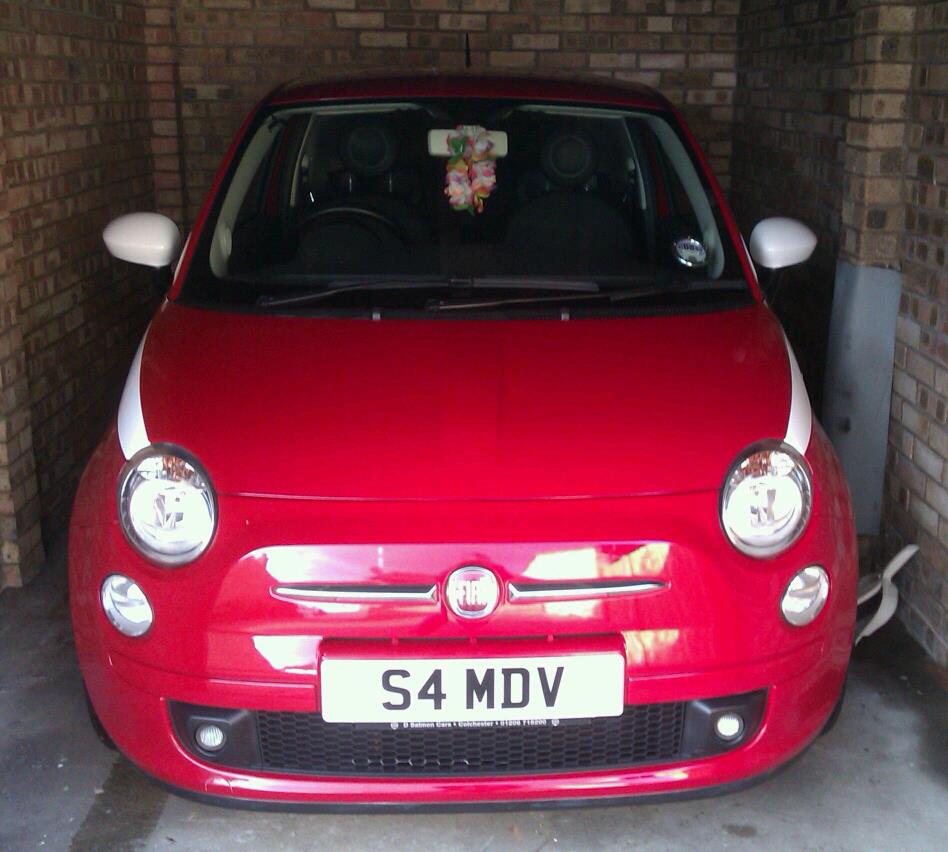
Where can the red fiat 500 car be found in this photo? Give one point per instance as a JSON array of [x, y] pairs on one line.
[[464, 463]]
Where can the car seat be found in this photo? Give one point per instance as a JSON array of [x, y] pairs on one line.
[[569, 225]]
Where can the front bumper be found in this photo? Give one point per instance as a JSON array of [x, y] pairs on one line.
[[222, 638], [132, 701]]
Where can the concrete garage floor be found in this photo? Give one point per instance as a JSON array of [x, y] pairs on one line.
[[879, 780]]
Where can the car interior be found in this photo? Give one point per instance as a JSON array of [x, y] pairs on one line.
[[356, 190]]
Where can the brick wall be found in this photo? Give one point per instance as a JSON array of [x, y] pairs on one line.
[[917, 483], [231, 51], [792, 102], [74, 153], [795, 69]]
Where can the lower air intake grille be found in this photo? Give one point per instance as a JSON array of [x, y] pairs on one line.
[[304, 743]]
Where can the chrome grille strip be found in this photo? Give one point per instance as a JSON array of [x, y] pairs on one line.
[[517, 593], [360, 594], [530, 592]]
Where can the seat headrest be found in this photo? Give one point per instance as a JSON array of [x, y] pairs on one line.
[[369, 150], [569, 158]]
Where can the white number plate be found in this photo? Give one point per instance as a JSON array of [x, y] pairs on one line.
[[576, 686]]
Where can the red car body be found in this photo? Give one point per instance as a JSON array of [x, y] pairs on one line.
[[598, 446]]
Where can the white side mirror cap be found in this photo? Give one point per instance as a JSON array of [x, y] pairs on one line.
[[779, 242], [149, 239]]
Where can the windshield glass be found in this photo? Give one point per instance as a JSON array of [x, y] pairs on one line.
[[500, 198]]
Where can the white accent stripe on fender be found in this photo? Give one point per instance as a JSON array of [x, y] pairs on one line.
[[800, 421], [131, 422]]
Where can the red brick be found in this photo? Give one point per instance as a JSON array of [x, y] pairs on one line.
[[360, 20], [511, 59], [383, 39], [533, 41]]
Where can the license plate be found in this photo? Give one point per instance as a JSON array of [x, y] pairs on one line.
[[577, 686]]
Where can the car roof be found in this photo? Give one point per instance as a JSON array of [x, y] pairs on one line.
[[479, 85]]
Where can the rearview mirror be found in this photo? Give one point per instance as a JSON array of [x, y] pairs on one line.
[[149, 239], [779, 242], [438, 145]]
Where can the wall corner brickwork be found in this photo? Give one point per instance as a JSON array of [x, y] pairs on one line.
[[794, 76], [164, 109], [74, 143], [21, 550], [873, 210], [916, 506]]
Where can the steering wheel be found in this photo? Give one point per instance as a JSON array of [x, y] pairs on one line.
[[368, 217]]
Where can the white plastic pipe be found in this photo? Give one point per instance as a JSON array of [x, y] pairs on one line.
[[874, 583]]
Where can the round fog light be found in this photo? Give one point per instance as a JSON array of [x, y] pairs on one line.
[[126, 606], [805, 596], [210, 737], [728, 726]]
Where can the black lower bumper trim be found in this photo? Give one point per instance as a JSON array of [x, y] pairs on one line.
[[304, 744], [270, 806]]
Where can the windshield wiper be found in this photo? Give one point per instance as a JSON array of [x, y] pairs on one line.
[[495, 282], [666, 287]]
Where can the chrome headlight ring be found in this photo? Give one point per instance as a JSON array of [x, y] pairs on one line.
[[166, 504], [766, 499]]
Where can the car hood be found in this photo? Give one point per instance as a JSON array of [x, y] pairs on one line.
[[461, 409]]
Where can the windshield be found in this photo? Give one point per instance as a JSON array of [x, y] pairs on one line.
[[388, 205]]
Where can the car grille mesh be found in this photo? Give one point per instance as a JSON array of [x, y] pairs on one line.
[[304, 743]]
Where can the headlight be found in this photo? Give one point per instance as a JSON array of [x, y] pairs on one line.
[[166, 505], [766, 498]]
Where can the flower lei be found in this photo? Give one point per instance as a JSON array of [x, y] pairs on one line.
[[471, 176]]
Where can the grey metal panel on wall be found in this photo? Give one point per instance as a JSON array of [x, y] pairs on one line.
[[858, 385]]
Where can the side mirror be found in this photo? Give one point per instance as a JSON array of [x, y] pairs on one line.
[[149, 239], [778, 242]]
